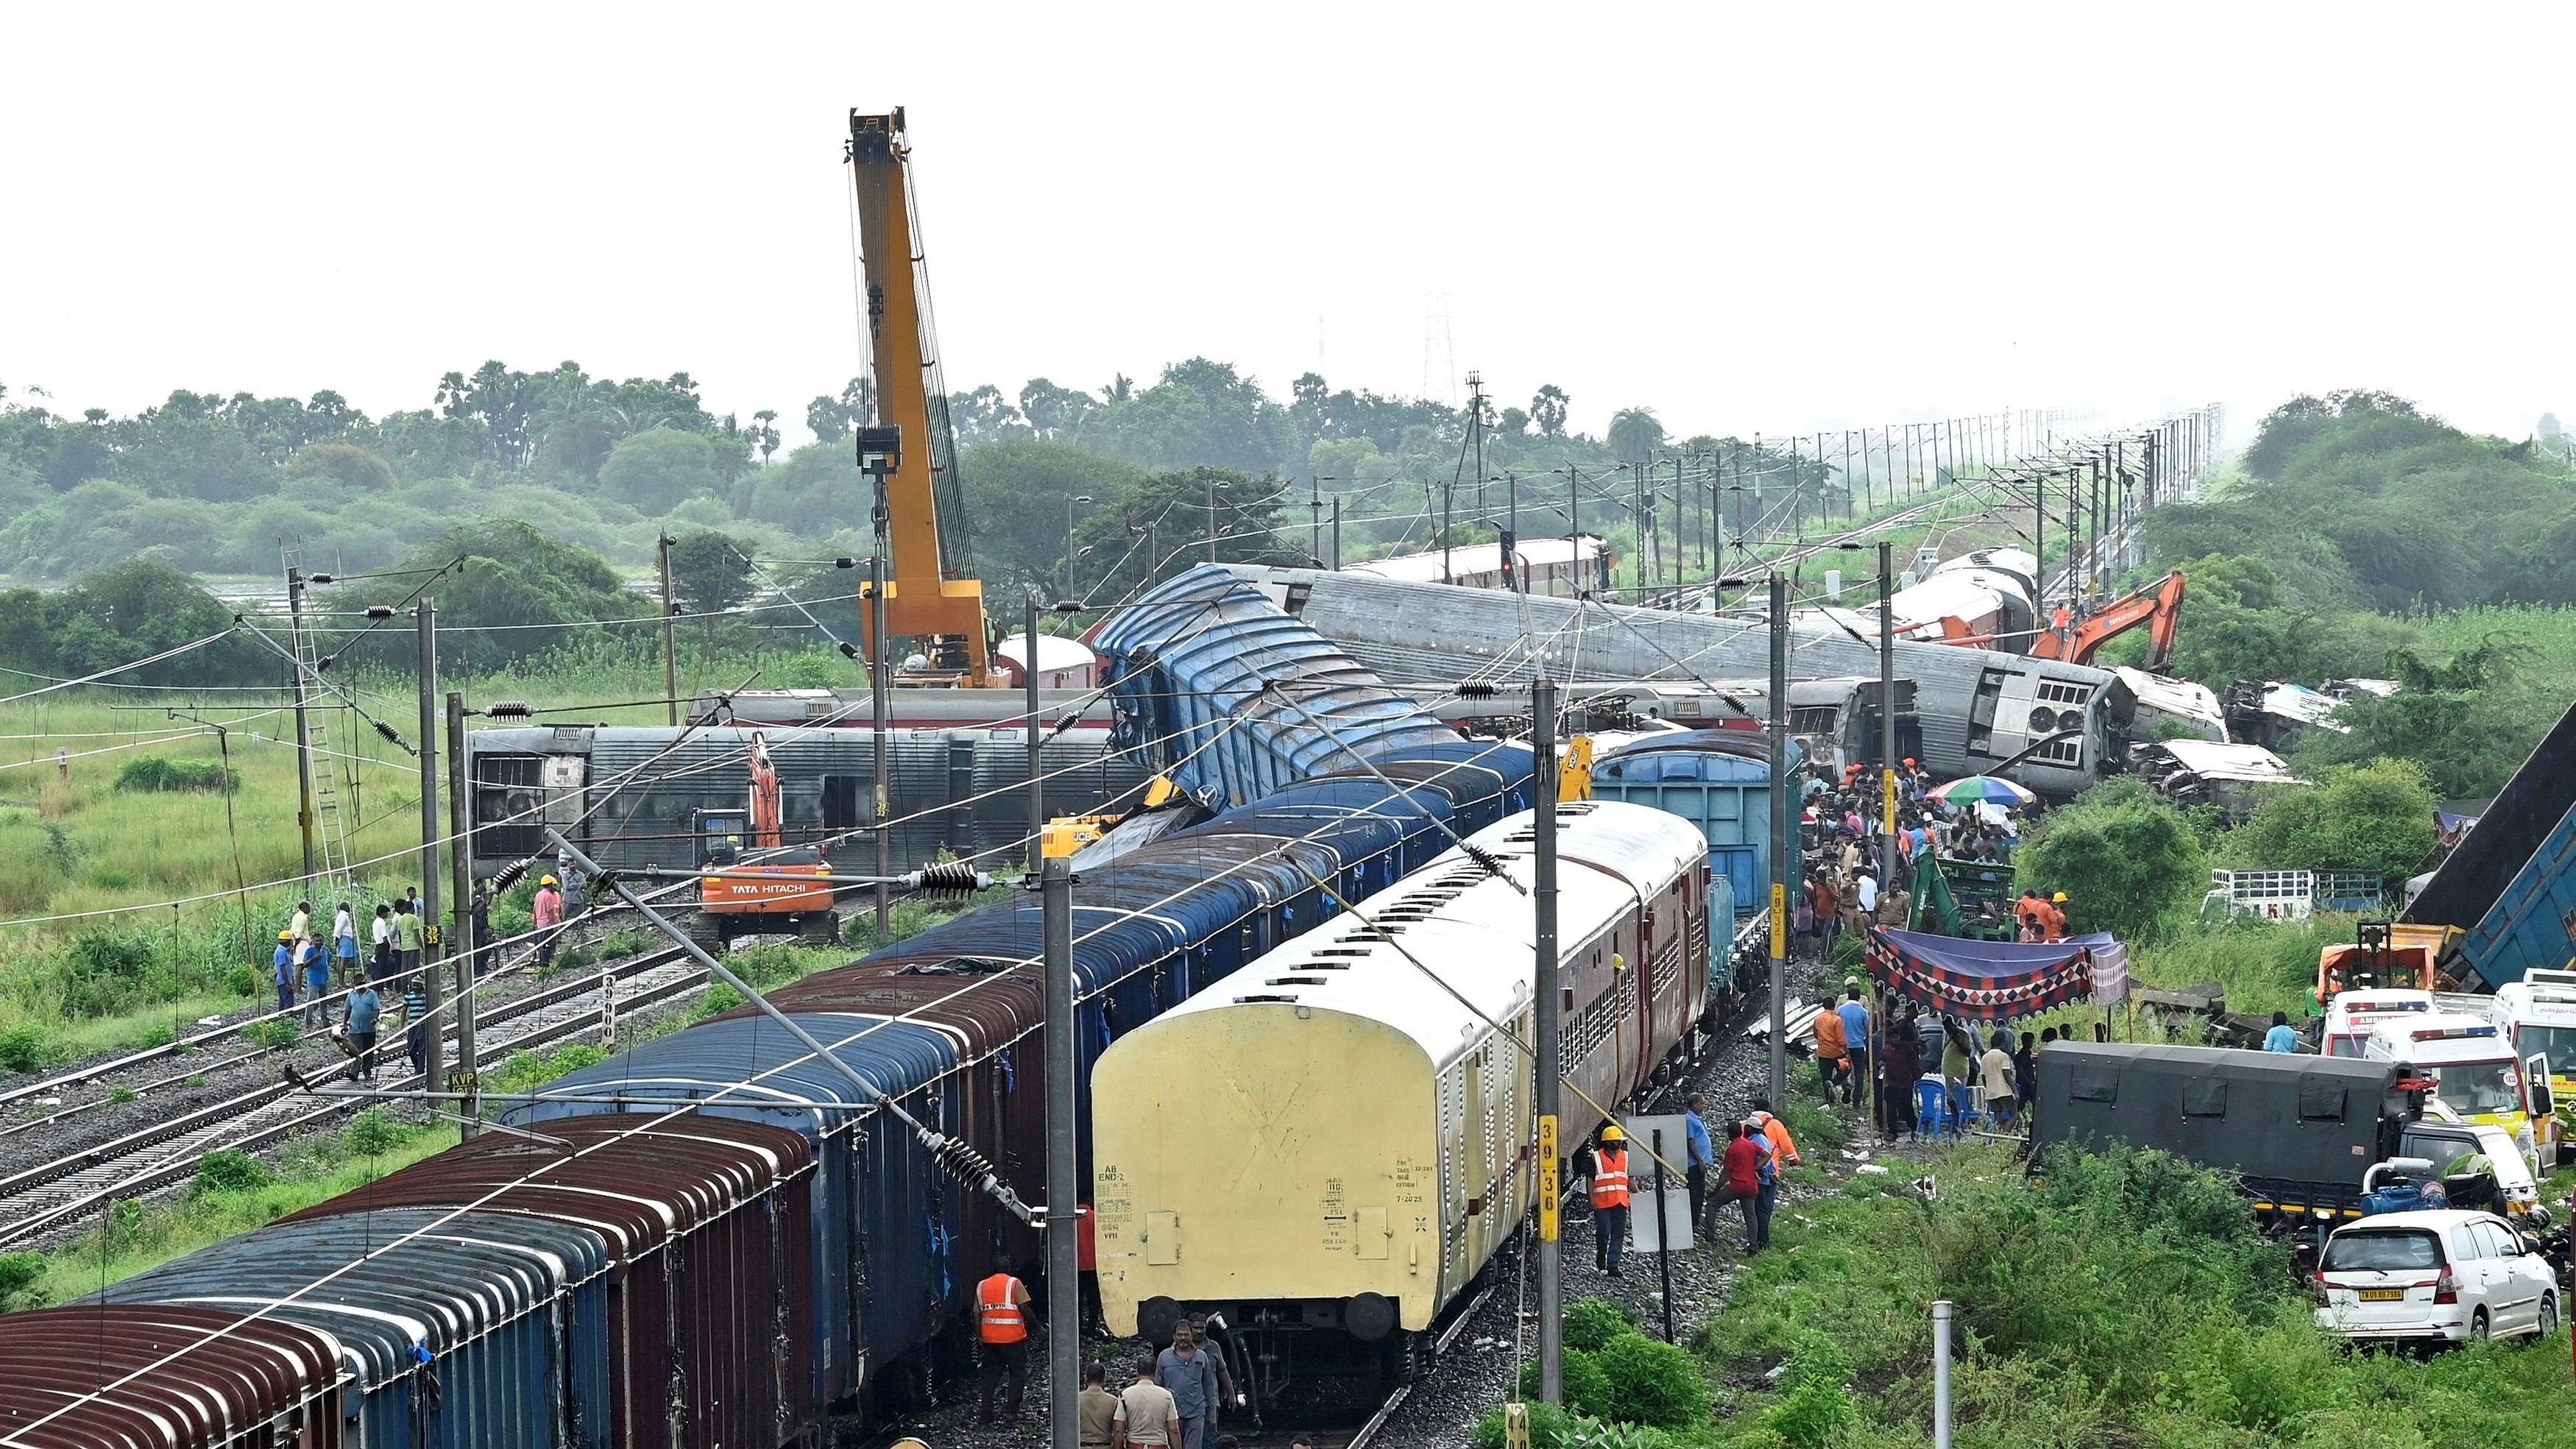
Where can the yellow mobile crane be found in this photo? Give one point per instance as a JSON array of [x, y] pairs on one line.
[[923, 600]]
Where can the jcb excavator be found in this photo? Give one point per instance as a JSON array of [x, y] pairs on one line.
[[2158, 606], [924, 600]]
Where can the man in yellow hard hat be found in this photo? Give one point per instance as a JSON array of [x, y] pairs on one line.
[[546, 916], [282, 965], [1610, 1199], [2052, 918]]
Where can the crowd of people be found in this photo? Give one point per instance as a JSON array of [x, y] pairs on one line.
[[308, 968], [1916, 1072], [1842, 830]]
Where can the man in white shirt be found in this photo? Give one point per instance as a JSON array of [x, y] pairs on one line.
[[1867, 888]]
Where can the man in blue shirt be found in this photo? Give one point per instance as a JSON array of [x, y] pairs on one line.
[[317, 982], [282, 968], [364, 1007], [1855, 1034], [1186, 1370], [1702, 1150], [2283, 1037]]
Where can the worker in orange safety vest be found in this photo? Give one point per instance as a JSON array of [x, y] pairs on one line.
[[1003, 1320], [1610, 1199]]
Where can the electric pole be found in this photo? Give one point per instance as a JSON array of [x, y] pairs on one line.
[[1064, 1180], [468, 941], [1543, 1020], [303, 730], [1784, 860], [1887, 715], [1037, 786], [670, 650], [879, 706], [425, 631]]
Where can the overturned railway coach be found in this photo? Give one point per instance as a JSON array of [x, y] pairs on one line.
[[633, 796], [2054, 727]]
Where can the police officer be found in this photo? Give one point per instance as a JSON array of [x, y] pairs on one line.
[[1610, 1199], [1003, 1320]]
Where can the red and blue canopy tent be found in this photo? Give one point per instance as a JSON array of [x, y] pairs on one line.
[[1997, 980]]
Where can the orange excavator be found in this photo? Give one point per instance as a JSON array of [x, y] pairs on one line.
[[778, 891], [2158, 606], [924, 600]]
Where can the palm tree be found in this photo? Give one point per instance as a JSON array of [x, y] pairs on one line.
[[1635, 434]]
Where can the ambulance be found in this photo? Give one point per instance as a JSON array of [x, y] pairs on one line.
[[2352, 1015], [2539, 1012], [2475, 1072]]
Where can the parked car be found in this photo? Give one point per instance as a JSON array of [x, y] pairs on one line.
[[2444, 1275]]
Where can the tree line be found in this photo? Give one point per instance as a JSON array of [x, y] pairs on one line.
[[209, 482], [2362, 537]]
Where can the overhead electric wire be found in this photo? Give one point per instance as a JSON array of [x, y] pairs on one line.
[[16, 1435]]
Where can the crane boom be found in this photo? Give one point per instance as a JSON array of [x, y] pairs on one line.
[[922, 601], [2158, 605]]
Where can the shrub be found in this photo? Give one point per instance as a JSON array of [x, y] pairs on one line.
[[103, 972], [373, 1133], [24, 1047], [1587, 1389], [154, 774], [230, 1171], [278, 1035], [242, 981], [19, 1274], [1590, 1323], [120, 1094], [1652, 1382], [1813, 1406], [1552, 1427]]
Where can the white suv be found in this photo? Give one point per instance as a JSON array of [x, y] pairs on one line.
[[2445, 1274]]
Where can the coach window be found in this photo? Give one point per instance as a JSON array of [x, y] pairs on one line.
[[845, 801]]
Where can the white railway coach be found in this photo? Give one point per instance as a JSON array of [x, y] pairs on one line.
[[1329, 1146]]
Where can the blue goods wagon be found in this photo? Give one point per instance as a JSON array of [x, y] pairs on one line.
[[946, 1023], [2533, 920], [1717, 780], [707, 1221], [458, 1330], [1235, 700]]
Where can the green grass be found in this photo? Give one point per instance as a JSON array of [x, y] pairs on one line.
[[80, 845], [139, 1236], [2126, 1301]]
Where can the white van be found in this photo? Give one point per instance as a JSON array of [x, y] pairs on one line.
[[2539, 1012]]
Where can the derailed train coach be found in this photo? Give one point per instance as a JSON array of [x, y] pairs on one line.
[[2057, 728], [634, 796]]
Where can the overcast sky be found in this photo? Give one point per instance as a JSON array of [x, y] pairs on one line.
[[1745, 217]]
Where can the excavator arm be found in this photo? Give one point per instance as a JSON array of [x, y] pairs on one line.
[[2158, 606], [922, 601]]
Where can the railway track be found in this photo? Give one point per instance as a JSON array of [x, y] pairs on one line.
[[68, 1189], [60, 1082]]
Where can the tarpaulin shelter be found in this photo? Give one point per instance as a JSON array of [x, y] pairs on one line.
[[1990, 980]]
